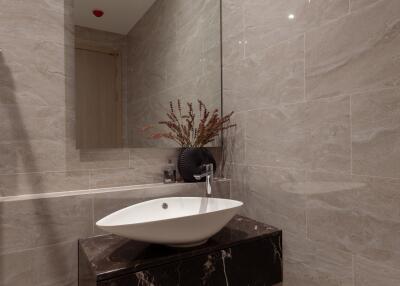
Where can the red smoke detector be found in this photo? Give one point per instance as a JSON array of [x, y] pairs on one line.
[[98, 13]]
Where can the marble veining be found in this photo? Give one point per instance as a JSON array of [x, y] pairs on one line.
[[242, 244]]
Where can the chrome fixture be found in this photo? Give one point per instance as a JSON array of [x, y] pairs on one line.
[[209, 174]]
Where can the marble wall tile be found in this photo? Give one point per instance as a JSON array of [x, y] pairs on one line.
[[369, 273], [34, 223], [359, 4], [250, 85], [32, 156], [234, 139], [355, 53], [350, 49], [268, 23], [356, 214], [376, 133], [150, 157], [16, 269], [307, 263], [56, 265], [24, 123], [276, 197], [97, 159], [44, 266], [233, 50], [34, 21], [33, 183], [26, 66], [238, 175], [126, 177], [212, 65], [47, 5], [314, 135], [232, 18]]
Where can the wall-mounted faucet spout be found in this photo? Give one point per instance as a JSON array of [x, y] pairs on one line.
[[209, 174]]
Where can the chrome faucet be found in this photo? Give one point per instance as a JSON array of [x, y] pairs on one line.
[[209, 174]]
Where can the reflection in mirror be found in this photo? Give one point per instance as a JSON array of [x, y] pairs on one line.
[[132, 57]]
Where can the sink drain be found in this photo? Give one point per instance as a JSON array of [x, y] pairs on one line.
[[164, 206]]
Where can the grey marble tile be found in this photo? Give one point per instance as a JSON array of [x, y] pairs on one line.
[[314, 135], [376, 133], [16, 268], [370, 273], [307, 263], [125, 177], [34, 22], [33, 223], [33, 183], [56, 265], [275, 197], [32, 156], [355, 53], [150, 156], [238, 175], [44, 266], [233, 50], [212, 65], [232, 18], [26, 66], [96, 159], [184, 62], [29, 122], [271, 77], [359, 4], [56, 6], [356, 214], [270, 22], [234, 138]]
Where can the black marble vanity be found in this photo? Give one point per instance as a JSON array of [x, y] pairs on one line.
[[245, 252]]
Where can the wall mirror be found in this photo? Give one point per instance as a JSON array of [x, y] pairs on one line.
[[132, 57]]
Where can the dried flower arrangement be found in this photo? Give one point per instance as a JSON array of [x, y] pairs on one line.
[[182, 127]]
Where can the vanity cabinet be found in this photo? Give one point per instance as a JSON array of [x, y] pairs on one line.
[[245, 252]]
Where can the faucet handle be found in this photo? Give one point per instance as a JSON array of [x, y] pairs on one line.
[[207, 170]]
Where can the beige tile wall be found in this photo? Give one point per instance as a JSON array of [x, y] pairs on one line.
[[38, 235], [37, 141], [317, 147]]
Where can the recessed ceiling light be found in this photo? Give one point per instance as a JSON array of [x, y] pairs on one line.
[[291, 16]]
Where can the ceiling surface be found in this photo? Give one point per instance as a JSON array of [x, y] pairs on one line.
[[119, 15]]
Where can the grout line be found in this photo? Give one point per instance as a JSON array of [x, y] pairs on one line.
[[41, 247], [349, 9], [353, 269], [92, 213], [246, 115], [312, 171], [282, 105], [304, 67], [351, 134]]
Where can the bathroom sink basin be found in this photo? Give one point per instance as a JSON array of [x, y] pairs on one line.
[[176, 221]]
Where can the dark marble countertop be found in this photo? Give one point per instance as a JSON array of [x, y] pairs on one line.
[[111, 255]]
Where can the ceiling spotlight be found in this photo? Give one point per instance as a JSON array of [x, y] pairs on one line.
[[98, 13], [291, 16]]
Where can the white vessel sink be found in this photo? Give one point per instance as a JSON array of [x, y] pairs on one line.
[[178, 221]]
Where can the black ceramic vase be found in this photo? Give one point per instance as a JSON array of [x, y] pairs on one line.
[[190, 162]]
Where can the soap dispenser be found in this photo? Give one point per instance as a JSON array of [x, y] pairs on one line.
[[170, 173]]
